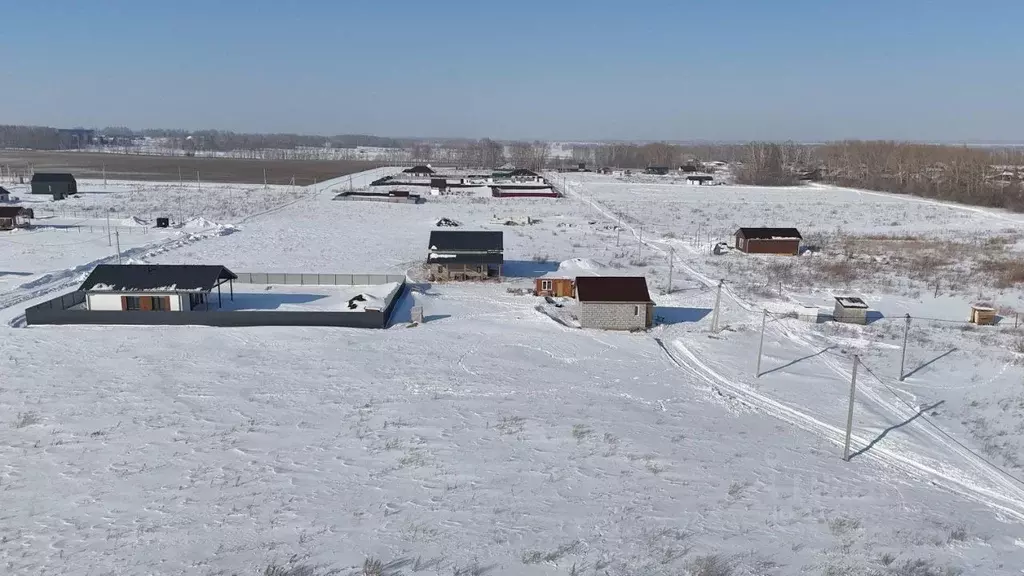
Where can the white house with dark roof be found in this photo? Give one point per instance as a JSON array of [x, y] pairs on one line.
[[156, 287]]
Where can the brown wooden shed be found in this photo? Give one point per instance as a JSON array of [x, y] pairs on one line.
[[983, 315], [782, 241], [555, 286]]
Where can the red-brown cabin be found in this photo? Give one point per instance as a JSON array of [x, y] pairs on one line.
[[781, 241], [563, 287]]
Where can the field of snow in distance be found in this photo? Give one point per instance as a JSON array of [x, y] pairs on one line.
[[493, 440]]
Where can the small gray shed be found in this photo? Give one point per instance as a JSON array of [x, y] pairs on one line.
[[851, 310]]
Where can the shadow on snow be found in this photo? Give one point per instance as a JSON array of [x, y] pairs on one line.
[[678, 315]]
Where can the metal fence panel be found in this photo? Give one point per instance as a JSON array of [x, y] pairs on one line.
[[317, 278]]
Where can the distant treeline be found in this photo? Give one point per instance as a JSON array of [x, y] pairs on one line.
[[985, 176], [48, 138]]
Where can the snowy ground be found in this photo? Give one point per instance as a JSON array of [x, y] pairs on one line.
[[493, 440], [310, 298]]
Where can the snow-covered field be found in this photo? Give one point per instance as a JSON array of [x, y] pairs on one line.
[[494, 440]]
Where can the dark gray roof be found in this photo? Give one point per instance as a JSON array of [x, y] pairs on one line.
[[155, 278], [419, 170], [53, 177], [3, 190], [13, 211], [522, 172], [612, 289], [466, 241], [769, 233], [851, 302]]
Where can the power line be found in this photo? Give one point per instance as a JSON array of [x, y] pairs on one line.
[[937, 427]]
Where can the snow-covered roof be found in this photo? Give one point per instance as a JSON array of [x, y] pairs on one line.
[[575, 267], [851, 302]]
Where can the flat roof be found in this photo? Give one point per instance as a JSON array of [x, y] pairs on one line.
[[851, 302]]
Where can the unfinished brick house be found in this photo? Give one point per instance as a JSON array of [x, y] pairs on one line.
[[465, 255], [614, 302]]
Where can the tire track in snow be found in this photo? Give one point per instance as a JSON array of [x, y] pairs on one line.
[[1012, 506], [977, 469]]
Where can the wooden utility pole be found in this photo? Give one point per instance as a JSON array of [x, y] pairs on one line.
[[714, 319], [117, 236], [903, 358], [264, 178], [108, 228], [671, 258], [199, 183], [760, 346], [849, 414]]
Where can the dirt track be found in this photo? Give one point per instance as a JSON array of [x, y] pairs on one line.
[[168, 168]]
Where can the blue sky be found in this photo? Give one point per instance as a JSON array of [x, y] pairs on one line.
[[682, 70]]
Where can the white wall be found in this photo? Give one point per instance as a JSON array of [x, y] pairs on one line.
[[112, 301]]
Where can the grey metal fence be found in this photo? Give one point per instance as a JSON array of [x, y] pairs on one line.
[[316, 279]]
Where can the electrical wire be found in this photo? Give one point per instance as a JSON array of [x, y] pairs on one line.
[[937, 427], [931, 423]]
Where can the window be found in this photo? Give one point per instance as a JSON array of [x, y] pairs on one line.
[[132, 303], [545, 284], [161, 303], [636, 310]]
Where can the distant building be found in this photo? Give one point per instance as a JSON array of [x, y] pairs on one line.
[[524, 192], [465, 255], [523, 175], [12, 217], [688, 168], [5, 196], [614, 302], [75, 138], [438, 186], [656, 170], [700, 180], [155, 287], [58, 184], [769, 241], [420, 170]]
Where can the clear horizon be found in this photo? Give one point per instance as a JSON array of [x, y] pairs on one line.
[[587, 72]]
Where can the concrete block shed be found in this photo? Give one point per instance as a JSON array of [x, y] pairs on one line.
[[850, 310], [614, 302]]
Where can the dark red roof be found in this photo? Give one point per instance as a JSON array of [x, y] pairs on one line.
[[612, 289]]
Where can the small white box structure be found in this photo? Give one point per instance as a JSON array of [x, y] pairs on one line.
[[417, 314], [810, 314]]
